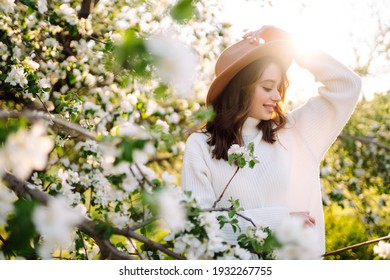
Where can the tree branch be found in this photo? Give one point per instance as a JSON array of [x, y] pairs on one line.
[[364, 140], [223, 192], [35, 115], [86, 8], [228, 209], [107, 249], [356, 246], [145, 240]]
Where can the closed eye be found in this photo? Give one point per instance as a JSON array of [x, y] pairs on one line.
[[267, 89]]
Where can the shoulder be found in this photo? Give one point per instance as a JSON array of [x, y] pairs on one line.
[[196, 143], [197, 138]]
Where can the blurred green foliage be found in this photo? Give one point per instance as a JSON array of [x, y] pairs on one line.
[[356, 180]]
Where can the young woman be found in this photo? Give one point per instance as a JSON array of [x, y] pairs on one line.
[[247, 95]]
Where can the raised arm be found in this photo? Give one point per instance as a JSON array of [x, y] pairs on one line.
[[321, 119]]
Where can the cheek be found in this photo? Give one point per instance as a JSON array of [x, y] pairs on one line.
[[259, 96]]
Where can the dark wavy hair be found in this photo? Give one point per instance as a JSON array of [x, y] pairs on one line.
[[233, 105]]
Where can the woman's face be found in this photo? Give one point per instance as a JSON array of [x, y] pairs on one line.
[[266, 94]]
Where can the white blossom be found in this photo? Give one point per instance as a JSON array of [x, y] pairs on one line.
[[172, 212], [242, 254], [17, 76], [69, 13], [173, 118], [7, 5], [31, 64], [163, 125], [382, 249], [142, 156], [176, 64], [85, 26], [7, 199], [236, 149], [42, 6], [21, 156], [133, 130], [55, 223], [298, 240], [167, 177], [118, 220]]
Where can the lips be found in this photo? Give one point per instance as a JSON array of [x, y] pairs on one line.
[[269, 107]]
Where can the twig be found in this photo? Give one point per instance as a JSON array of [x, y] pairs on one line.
[[223, 192], [228, 209], [135, 249], [356, 246], [2, 239], [145, 240], [138, 180], [365, 140], [34, 115], [145, 223], [85, 247], [143, 175]]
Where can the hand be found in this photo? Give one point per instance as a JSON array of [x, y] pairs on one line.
[[309, 220], [267, 33]]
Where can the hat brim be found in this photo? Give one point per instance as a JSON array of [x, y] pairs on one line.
[[281, 50]]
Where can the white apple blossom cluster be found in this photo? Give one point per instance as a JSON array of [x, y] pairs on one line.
[[242, 155], [55, 223], [176, 62], [171, 209], [298, 241], [69, 13], [382, 249], [42, 6], [7, 6], [17, 76], [7, 199], [21, 157]]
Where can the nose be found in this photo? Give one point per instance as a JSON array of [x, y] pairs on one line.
[[275, 96]]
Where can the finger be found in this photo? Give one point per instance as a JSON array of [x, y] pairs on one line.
[[246, 35], [255, 38], [300, 213], [310, 221]]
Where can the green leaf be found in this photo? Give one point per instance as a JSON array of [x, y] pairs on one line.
[[183, 10], [11, 126], [231, 159], [193, 212], [128, 145], [203, 114], [241, 162], [251, 147], [21, 231], [161, 91]]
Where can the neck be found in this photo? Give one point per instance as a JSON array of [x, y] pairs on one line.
[[249, 129]]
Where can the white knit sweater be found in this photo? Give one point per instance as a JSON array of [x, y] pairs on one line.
[[286, 179]]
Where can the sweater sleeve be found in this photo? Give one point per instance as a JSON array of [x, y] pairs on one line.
[[321, 119], [196, 175]]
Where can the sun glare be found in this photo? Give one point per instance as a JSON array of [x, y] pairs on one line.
[[341, 28]]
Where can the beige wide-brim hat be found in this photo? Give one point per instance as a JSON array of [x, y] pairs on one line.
[[233, 59]]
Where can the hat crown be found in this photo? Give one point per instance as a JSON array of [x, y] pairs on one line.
[[233, 53]]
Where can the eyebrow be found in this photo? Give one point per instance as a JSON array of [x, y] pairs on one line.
[[269, 80]]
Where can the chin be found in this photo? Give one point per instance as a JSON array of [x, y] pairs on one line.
[[266, 117]]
